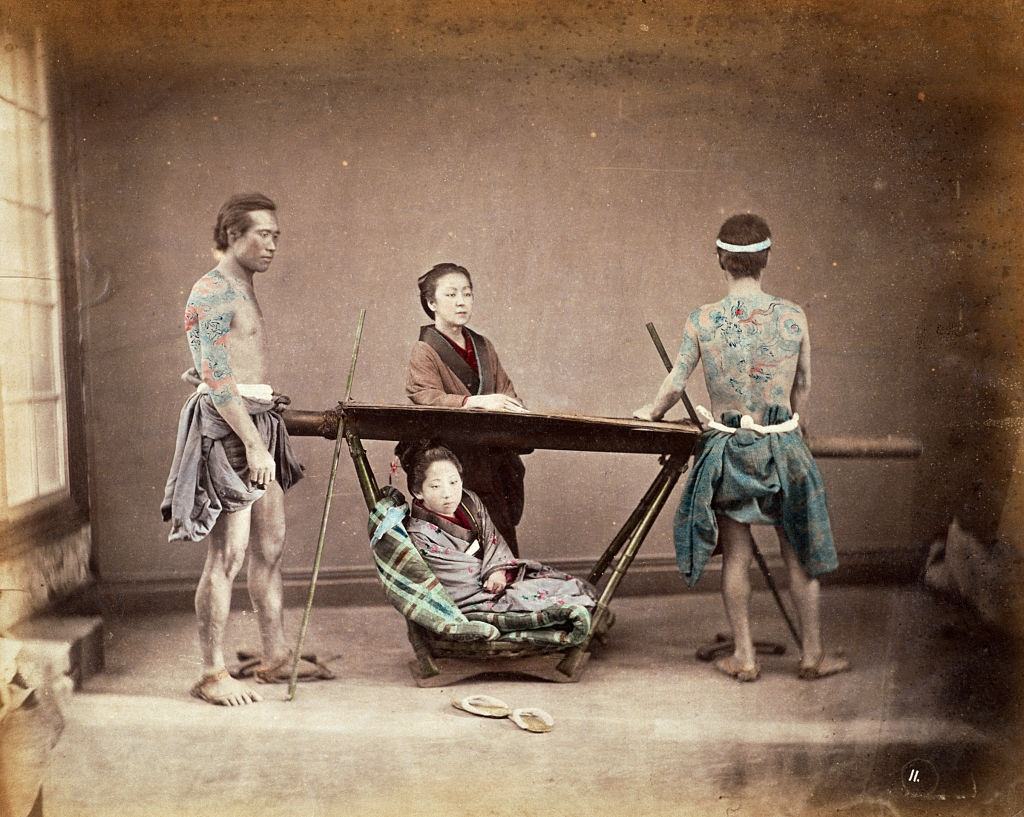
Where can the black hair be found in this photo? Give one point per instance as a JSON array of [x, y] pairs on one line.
[[234, 216], [417, 457], [741, 229]]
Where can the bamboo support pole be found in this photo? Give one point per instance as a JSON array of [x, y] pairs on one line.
[[307, 613], [663, 485], [601, 565]]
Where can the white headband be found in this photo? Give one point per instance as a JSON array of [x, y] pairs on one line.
[[760, 245]]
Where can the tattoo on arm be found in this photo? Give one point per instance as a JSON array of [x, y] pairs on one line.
[[802, 377], [208, 317], [689, 353]]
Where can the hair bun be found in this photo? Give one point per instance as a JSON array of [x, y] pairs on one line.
[[416, 457], [408, 451]]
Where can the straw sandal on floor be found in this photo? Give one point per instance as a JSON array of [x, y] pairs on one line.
[[532, 719], [483, 705], [280, 672]]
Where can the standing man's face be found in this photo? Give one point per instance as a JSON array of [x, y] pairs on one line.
[[254, 250]]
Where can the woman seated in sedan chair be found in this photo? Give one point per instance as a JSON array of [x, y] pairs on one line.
[[454, 533]]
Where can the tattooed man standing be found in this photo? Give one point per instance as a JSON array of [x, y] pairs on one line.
[[232, 461], [753, 467]]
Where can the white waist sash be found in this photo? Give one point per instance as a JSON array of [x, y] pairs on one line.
[[747, 421], [252, 391]]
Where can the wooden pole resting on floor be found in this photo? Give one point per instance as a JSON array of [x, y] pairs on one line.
[[293, 682]]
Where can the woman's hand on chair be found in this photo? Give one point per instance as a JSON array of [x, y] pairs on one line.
[[494, 402]]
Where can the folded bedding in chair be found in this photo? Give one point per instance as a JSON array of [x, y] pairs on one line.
[[414, 590], [566, 625]]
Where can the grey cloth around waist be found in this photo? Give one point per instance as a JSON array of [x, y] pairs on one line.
[[207, 475]]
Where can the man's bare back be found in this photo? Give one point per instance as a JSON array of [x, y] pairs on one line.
[[756, 353], [752, 345]]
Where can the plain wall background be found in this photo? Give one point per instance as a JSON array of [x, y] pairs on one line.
[[578, 160]]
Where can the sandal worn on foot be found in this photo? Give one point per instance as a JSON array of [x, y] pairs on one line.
[[532, 719], [826, 665], [201, 689], [483, 705], [734, 669]]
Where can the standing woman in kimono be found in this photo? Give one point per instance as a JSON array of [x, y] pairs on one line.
[[453, 366]]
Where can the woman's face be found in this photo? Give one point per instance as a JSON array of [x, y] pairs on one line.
[[453, 300], [441, 491]]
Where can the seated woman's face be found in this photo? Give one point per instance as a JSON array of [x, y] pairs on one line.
[[441, 491], [453, 299]]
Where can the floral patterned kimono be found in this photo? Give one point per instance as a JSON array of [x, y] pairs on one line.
[[463, 559]]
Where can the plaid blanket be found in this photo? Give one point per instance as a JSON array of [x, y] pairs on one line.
[[416, 593]]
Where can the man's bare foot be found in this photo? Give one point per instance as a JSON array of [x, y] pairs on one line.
[[823, 665], [734, 668], [221, 689]]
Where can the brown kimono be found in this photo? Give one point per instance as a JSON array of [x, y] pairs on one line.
[[438, 376]]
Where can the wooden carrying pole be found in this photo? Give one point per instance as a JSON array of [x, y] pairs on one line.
[[601, 565], [668, 365], [293, 682]]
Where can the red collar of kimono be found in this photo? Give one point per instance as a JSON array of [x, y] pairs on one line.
[[467, 352], [460, 517], [460, 520]]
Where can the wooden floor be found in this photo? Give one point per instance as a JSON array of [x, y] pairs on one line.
[[920, 726]]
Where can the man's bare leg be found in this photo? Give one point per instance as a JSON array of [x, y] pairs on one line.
[[224, 556], [805, 592], [738, 551], [265, 585]]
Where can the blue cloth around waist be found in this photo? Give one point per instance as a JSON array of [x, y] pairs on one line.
[[768, 479]]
